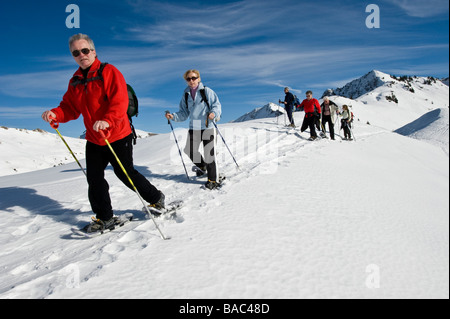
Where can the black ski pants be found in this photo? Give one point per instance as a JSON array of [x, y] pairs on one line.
[[310, 121], [208, 162], [327, 119], [290, 114], [97, 159], [346, 127]]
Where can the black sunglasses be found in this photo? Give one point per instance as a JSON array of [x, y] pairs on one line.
[[191, 79], [85, 51]]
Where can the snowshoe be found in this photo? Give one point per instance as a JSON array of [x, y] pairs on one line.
[[98, 225], [211, 185], [323, 135], [200, 171], [171, 209], [159, 205]]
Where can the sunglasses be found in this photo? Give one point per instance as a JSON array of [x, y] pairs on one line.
[[85, 51], [192, 79]]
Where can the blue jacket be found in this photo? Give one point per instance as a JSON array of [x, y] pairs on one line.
[[198, 110]]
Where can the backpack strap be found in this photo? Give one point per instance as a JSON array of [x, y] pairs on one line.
[[186, 97], [204, 98], [76, 80], [202, 93]]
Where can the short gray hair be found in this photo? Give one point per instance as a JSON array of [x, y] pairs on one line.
[[81, 36]]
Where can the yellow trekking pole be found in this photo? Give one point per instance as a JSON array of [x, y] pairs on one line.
[[131, 182], [55, 125]]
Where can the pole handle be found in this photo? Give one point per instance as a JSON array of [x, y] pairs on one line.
[[168, 120], [107, 136], [54, 123]]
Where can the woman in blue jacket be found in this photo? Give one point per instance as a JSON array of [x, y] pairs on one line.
[[202, 106]]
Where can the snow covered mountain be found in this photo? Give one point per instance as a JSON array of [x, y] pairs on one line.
[[375, 79], [267, 111], [361, 86]]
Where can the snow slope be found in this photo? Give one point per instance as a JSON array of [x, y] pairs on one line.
[[23, 151], [432, 127], [324, 219]]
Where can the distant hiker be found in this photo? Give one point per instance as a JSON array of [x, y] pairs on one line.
[[201, 105], [346, 122], [103, 102], [330, 112], [289, 106], [312, 112]]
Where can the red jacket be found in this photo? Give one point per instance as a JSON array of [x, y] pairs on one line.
[[309, 106], [97, 100]]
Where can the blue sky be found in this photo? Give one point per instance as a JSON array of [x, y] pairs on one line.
[[247, 51]]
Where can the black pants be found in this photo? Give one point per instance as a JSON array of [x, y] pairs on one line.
[[346, 126], [97, 159], [208, 162], [309, 121], [327, 119], [289, 113]]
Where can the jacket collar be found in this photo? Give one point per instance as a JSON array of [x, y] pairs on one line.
[[94, 68], [200, 87]]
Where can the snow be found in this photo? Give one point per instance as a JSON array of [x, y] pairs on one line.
[[25, 151], [432, 127], [323, 219], [268, 110]]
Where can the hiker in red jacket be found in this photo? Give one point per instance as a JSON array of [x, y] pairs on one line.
[[103, 102], [312, 111]]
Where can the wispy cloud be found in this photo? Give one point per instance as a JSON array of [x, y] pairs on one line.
[[22, 112], [422, 9], [35, 85], [212, 24], [237, 66]]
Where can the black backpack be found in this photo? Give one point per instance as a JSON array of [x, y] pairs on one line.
[[133, 103]]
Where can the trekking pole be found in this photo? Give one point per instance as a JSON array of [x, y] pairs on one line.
[[178, 146], [223, 139], [278, 117], [131, 182], [351, 131], [55, 125]]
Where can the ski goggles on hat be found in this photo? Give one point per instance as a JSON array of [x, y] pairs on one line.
[[85, 51]]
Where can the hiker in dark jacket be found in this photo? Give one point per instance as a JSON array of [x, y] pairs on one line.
[[289, 106]]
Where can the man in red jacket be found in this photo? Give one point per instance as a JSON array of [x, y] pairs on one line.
[[103, 102], [312, 111]]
